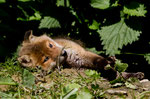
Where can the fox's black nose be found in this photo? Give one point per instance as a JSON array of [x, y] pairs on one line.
[[64, 53]]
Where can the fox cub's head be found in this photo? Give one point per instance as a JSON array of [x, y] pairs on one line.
[[40, 51]]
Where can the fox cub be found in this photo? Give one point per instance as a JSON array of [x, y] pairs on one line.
[[48, 53]]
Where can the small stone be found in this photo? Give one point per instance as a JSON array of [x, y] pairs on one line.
[[144, 80]]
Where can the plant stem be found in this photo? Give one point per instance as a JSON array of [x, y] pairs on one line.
[[129, 53], [8, 83]]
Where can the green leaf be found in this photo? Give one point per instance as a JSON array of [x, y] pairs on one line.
[[25, 0], [129, 85], [69, 88], [94, 86], [73, 85], [92, 73], [147, 57], [118, 80], [49, 22], [115, 36], [2, 1], [62, 3], [28, 79], [36, 16], [6, 81], [135, 9], [100, 4], [84, 94], [115, 3], [69, 91], [6, 96], [120, 67], [69, 94], [94, 50], [94, 26]]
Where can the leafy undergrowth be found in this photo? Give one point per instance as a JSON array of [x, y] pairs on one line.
[[21, 83]]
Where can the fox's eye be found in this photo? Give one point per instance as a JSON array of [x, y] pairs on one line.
[[50, 45], [46, 59]]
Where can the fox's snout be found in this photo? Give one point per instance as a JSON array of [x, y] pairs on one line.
[[63, 56]]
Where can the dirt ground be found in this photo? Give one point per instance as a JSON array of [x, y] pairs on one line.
[[133, 90]]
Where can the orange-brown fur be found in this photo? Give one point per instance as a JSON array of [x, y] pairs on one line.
[[35, 49], [79, 57]]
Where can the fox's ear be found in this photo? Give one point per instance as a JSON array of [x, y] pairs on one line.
[[28, 37], [25, 61]]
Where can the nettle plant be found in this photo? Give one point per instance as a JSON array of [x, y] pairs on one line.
[[116, 23]]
